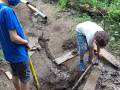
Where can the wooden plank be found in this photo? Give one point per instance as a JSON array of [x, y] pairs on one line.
[[110, 58], [64, 58], [103, 53], [81, 77], [8, 75], [92, 80]]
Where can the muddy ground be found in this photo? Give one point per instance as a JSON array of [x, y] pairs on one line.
[[52, 77]]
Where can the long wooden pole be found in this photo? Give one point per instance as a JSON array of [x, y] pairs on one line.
[[81, 77]]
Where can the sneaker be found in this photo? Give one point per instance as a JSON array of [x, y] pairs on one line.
[[82, 66], [89, 59], [95, 62]]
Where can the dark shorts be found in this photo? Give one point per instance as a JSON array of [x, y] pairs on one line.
[[21, 70]]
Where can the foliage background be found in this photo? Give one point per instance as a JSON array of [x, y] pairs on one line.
[[104, 12]]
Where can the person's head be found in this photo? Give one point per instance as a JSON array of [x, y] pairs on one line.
[[11, 2], [101, 38]]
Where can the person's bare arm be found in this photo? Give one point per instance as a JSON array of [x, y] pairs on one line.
[[14, 37], [91, 53]]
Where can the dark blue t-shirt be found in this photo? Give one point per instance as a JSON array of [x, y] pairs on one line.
[[13, 52]]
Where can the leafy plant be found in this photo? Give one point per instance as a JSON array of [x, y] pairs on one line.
[[63, 4], [1, 55], [82, 18]]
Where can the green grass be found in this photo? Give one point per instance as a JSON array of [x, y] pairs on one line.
[[63, 4], [1, 55], [82, 18]]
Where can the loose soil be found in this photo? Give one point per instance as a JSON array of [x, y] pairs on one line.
[[52, 77]]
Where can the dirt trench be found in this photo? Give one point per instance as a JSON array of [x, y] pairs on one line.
[[51, 77]]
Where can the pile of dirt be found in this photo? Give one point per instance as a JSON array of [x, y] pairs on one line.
[[69, 44], [109, 79], [5, 84], [60, 83]]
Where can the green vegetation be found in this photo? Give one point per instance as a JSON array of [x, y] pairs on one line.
[[1, 55], [63, 4], [105, 12], [82, 18]]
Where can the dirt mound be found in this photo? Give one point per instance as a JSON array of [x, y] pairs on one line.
[[69, 44], [109, 79]]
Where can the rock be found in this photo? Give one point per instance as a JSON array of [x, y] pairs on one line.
[[103, 86], [115, 74]]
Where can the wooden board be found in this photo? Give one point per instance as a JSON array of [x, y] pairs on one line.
[[64, 58], [92, 79], [103, 53], [110, 58], [8, 75], [81, 77]]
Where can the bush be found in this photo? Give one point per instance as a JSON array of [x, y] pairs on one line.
[[63, 4], [1, 55]]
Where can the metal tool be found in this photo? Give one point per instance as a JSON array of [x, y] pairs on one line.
[[34, 9], [34, 48], [34, 74]]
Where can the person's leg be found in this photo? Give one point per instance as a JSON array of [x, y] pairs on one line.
[[16, 83], [15, 78], [82, 48], [82, 64], [24, 75], [81, 56], [25, 86]]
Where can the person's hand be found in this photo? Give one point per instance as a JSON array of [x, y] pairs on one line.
[[27, 47], [96, 52]]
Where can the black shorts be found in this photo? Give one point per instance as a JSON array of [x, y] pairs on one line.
[[21, 70]]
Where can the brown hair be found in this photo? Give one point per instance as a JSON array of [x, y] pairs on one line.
[[101, 38]]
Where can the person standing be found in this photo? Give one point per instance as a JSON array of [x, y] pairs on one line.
[[87, 34], [13, 42]]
